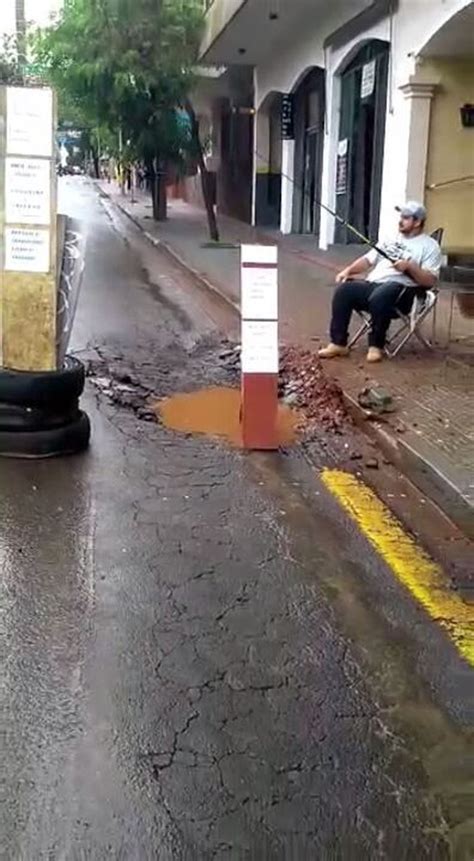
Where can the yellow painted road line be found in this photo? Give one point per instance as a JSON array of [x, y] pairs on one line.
[[412, 566]]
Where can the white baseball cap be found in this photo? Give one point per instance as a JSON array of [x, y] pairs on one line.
[[413, 209]]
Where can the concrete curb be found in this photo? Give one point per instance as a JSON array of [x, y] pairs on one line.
[[418, 466]]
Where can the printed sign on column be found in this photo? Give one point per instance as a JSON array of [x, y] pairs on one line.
[[27, 250], [259, 293], [29, 121], [27, 191], [259, 280], [259, 347]]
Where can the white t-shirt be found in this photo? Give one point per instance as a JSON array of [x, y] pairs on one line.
[[422, 249]]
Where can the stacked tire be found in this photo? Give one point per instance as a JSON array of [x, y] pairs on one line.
[[40, 414]]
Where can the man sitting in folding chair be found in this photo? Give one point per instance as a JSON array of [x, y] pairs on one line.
[[389, 286]]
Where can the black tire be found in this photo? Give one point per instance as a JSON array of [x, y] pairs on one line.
[[68, 439], [50, 390], [16, 418]]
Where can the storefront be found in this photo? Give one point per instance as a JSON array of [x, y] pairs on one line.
[[308, 105]]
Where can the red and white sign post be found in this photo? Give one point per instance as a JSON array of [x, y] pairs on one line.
[[259, 309]]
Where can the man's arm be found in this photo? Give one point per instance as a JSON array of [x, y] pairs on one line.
[[423, 277], [426, 273], [358, 267]]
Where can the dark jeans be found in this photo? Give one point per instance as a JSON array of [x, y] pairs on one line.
[[378, 298]]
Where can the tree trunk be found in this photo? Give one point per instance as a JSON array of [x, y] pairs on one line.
[[205, 177], [157, 177], [152, 185], [162, 192], [155, 196]]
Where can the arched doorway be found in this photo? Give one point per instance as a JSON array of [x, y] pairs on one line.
[[308, 101], [361, 140]]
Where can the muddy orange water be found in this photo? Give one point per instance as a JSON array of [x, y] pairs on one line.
[[216, 412]]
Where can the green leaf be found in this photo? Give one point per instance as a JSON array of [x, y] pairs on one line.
[[125, 64]]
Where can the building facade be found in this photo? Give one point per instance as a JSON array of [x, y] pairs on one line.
[[358, 104]]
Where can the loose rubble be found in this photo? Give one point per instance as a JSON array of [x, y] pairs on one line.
[[303, 384], [372, 463], [376, 400], [122, 388]]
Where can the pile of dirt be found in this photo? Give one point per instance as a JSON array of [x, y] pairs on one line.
[[305, 386]]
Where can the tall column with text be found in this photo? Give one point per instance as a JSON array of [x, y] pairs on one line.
[[28, 229]]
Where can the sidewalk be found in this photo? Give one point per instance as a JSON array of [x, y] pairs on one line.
[[431, 434]]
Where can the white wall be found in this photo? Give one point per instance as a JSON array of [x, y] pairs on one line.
[[283, 73], [415, 22], [413, 25], [7, 21], [288, 65]]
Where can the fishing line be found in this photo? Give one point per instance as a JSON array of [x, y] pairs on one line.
[[343, 221]]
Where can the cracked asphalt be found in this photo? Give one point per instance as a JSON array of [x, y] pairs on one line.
[[203, 659]]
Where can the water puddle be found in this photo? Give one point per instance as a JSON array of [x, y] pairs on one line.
[[215, 412]]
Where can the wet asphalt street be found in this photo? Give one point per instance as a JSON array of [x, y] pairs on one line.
[[203, 659]]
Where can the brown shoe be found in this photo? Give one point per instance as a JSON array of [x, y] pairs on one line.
[[332, 351], [375, 354]]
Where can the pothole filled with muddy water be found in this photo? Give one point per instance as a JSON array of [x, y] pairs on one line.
[[215, 412]]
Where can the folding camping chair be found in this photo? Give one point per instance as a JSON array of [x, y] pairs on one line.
[[423, 305]]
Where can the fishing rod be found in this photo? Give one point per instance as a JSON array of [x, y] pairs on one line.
[[343, 221]]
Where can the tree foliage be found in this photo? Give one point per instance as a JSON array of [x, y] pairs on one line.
[[127, 65], [11, 71]]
